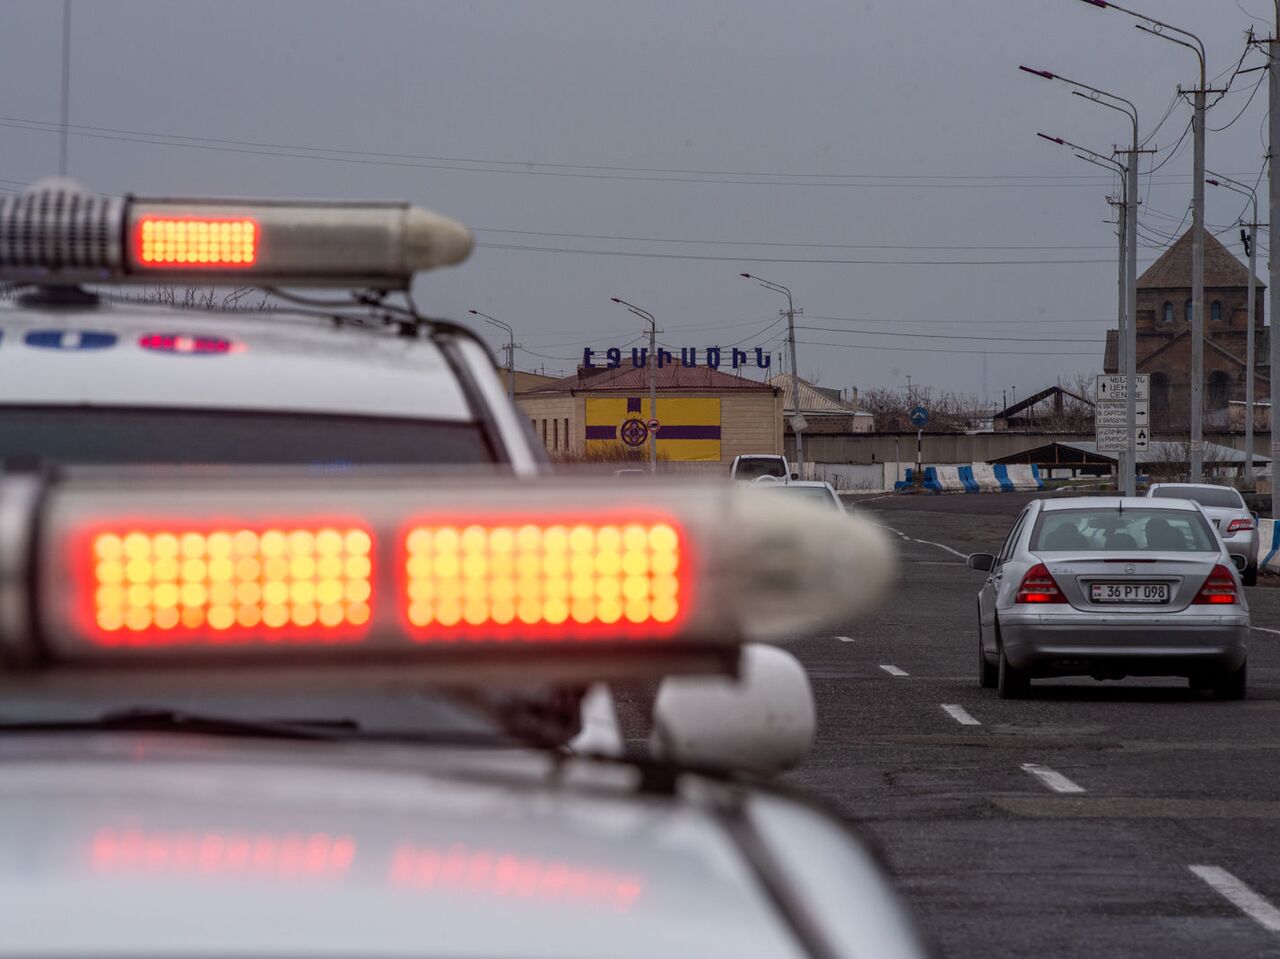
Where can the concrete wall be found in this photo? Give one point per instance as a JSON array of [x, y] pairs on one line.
[[960, 447]]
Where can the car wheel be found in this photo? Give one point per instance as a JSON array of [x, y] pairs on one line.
[[1012, 683], [1232, 685], [988, 673], [1250, 576]]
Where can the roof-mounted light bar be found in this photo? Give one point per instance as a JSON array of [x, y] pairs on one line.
[[564, 577], [56, 233]]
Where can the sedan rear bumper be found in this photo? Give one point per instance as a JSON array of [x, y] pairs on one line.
[[1089, 645]]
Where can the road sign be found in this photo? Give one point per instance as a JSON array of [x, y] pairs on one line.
[[1113, 413], [653, 425], [1111, 386], [1115, 439], [919, 417]]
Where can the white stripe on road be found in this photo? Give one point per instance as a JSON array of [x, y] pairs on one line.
[[959, 714], [845, 639], [927, 542], [894, 670], [1241, 896], [1263, 629], [1051, 778]]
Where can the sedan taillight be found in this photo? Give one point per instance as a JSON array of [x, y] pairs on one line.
[[1237, 525], [1218, 589], [1038, 586]]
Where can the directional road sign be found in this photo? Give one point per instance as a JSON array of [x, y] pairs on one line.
[[1115, 439], [919, 417], [1111, 386], [1113, 413]]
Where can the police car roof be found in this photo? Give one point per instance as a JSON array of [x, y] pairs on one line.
[[138, 356], [264, 848]]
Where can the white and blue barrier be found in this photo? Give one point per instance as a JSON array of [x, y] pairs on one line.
[[1269, 545], [976, 478]]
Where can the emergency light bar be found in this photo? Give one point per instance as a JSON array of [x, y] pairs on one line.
[[55, 233], [306, 570]]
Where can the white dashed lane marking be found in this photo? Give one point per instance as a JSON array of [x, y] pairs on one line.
[[927, 542], [1051, 778], [1241, 896], [959, 714], [1263, 629], [894, 670], [845, 639]]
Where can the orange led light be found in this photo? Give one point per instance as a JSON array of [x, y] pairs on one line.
[[158, 587], [284, 856], [592, 580], [168, 242]]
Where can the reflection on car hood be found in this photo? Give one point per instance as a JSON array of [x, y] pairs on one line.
[[164, 845]]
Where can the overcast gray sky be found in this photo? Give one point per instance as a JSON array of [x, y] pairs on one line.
[[887, 133]]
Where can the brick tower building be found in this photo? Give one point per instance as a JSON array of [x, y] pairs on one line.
[[1164, 335]]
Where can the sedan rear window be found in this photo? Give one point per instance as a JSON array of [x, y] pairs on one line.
[[749, 469], [816, 495], [1218, 497], [1111, 530]]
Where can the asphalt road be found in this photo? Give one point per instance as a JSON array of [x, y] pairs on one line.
[[995, 860]]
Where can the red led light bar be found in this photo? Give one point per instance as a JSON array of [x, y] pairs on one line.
[[164, 585], [285, 856], [462, 869], [602, 577], [163, 241], [179, 343]]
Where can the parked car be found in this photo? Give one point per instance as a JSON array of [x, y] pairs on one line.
[[1111, 587], [1229, 515], [817, 492]]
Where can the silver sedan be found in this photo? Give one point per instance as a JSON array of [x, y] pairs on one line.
[[1110, 587], [1229, 515]]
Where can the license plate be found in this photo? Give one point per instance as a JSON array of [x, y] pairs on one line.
[[1129, 592]]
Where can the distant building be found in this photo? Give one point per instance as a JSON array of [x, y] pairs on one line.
[[1164, 335], [705, 416], [826, 411]]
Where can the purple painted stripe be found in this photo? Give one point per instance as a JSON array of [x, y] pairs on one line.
[[633, 405], [689, 433], [602, 432]]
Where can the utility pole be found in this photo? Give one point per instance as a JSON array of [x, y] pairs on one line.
[[510, 348], [1273, 197], [653, 376], [1251, 244], [797, 421]]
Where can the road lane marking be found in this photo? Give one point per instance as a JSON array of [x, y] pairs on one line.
[[959, 714], [894, 670], [1241, 896], [1263, 629], [1051, 778], [927, 542], [845, 639]]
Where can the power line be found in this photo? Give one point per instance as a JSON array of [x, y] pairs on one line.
[[949, 336], [581, 171], [764, 259], [933, 349]]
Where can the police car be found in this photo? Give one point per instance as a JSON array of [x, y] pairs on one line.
[[349, 709]]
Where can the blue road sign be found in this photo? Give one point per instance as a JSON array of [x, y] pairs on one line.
[[919, 416]]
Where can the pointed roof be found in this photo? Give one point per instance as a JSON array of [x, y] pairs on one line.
[[812, 400], [1173, 269]]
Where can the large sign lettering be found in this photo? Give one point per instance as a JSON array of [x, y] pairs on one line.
[[713, 357]]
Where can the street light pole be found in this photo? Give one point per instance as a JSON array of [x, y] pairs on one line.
[[1217, 179], [511, 349], [797, 424], [65, 112], [653, 376], [1158, 28], [1129, 331]]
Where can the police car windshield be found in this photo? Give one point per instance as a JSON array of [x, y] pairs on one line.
[[92, 435]]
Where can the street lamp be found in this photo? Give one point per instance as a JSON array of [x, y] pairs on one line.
[[653, 376], [511, 349], [1159, 28], [797, 421], [1235, 186], [1129, 334]]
